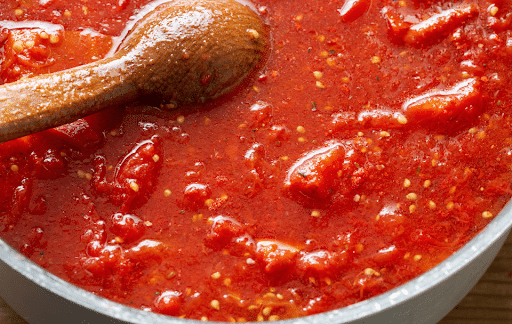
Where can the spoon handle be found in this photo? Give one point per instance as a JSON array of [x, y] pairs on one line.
[[34, 104]]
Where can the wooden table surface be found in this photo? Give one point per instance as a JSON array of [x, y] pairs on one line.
[[489, 302]]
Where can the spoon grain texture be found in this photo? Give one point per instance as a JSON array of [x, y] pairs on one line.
[[186, 51]]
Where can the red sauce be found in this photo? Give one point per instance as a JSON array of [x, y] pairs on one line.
[[375, 142]]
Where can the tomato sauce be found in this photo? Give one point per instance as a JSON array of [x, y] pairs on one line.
[[374, 142]]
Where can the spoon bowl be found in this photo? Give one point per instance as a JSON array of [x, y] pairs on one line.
[[186, 51]]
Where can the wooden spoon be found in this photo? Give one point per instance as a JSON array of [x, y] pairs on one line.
[[185, 51]]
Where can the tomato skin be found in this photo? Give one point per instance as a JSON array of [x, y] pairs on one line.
[[21, 198], [77, 134], [353, 9], [322, 263], [49, 164], [277, 258], [168, 302], [85, 134], [397, 27], [128, 227], [148, 251], [313, 176], [195, 194], [134, 176], [462, 102], [223, 231], [436, 26]]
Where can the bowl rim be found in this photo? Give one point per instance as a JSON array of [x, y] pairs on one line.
[[413, 288]]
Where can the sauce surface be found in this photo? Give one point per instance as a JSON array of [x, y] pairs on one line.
[[374, 143]]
